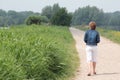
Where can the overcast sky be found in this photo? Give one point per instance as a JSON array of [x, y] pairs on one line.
[[71, 5]]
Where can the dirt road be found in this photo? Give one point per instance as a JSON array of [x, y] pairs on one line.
[[108, 64]]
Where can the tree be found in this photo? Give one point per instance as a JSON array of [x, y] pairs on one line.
[[14, 18], [47, 11], [55, 9], [33, 20], [86, 14], [115, 19], [36, 19], [44, 19], [2, 13], [61, 18]]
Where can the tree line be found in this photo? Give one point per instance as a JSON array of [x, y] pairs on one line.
[[83, 16], [57, 15], [14, 18]]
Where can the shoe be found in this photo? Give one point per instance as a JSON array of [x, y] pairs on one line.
[[89, 74]]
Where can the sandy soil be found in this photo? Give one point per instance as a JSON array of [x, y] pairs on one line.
[[108, 64]]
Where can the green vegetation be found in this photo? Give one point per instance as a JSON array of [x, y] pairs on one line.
[[36, 20], [57, 15], [86, 14], [49, 11], [110, 34], [61, 18], [37, 53], [8, 18]]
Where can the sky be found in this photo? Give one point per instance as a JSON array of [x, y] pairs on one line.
[[71, 5]]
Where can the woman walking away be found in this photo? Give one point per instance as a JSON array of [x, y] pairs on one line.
[[91, 39]]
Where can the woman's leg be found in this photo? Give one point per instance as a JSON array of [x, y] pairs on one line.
[[94, 67], [90, 67], [94, 59], [89, 58]]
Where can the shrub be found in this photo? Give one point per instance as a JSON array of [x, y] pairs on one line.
[[33, 20]]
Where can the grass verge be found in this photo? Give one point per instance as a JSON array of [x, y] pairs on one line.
[[37, 53]]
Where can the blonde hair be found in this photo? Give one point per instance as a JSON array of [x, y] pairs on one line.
[[92, 25]]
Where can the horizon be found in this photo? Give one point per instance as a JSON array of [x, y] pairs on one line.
[[70, 5], [61, 7]]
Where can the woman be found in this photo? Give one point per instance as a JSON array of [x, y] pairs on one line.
[[91, 39]]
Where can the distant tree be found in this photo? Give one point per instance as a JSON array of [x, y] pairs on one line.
[[44, 19], [55, 9], [3, 13], [36, 19], [14, 18], [86, 14], [47, 11], [106, 18], [61, 18], [2, 21], [115, 19], [33, 20]]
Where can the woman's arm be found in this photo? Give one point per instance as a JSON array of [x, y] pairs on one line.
[[98, 38], [85, 37]]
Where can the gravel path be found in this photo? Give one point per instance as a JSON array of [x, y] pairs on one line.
[[108, 64]]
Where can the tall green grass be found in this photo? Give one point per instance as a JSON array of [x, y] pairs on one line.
[[110, 34], [37, 53]]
